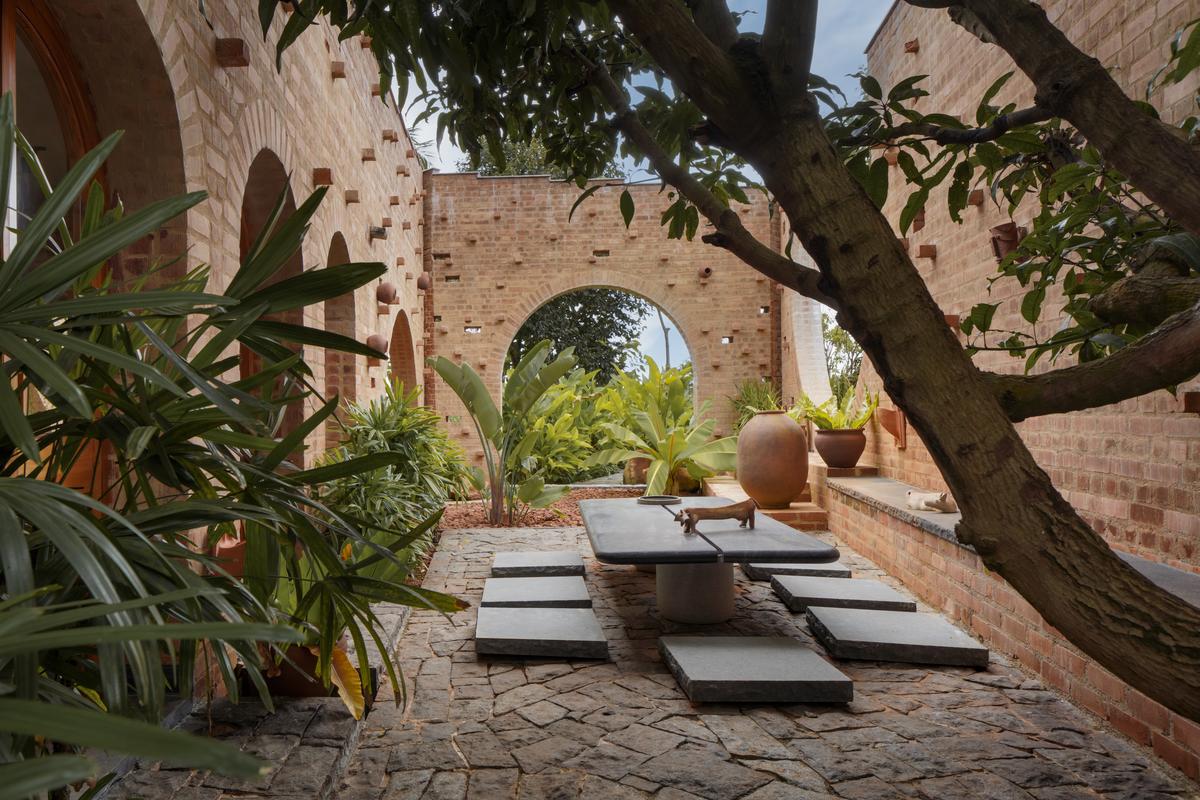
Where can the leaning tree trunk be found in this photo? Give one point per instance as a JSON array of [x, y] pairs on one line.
[[1013, 516]]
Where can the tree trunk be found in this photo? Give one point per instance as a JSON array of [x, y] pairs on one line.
[[1012, 515]]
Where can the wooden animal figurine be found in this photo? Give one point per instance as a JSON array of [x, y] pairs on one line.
[[743, 512], [930, 501]]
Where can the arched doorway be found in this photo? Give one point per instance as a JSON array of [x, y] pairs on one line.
[[266, 182], [402, 359], [341, 369], [612, 330], [74, 81]]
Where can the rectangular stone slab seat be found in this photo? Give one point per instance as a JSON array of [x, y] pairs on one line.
[[868, 635], [536, 563], [540, 632], [752, 669], [798, 592], [551, 592], [763, 572]]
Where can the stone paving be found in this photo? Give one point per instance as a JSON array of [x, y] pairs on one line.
[[528, 728]]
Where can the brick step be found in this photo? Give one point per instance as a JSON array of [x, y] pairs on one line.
[[803, 514]]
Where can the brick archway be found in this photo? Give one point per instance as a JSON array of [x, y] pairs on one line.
[[402, 358], [341, 369], [267, 178]]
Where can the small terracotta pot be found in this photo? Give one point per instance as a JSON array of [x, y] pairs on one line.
[[1005, 238], [231, 552], [772, 459], [293, 682], [841, 449], [635, 470]]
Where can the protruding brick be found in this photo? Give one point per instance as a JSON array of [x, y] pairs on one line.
[[232, 53], [322, 176], [337, 70], [368, 154], [927, 251], [351, 196]]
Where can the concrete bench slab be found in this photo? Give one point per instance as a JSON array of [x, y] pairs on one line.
[[752, 669], [536, 563], [868, 635], [764, 571], [798, 592], [540, 632], [551, 592]]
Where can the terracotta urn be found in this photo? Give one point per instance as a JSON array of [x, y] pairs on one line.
[[230, 551], [425, 281], [635, 470], [387, 293], [299, 680], [377, 341], [772, 459], [841, 448]]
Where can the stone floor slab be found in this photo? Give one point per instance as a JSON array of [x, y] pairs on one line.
[[548, 632], [752, 669], [763, 572], [869, 635], [548, 592], [798, 592], [536, 563]]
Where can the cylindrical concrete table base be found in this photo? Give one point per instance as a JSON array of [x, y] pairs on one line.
[[698, 594]]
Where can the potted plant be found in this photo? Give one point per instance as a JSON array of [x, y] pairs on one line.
[[840, 439]]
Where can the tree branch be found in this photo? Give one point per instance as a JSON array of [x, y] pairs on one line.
[[730, 234], [943, 135], [713, 18], [787, 46], [1165, 357], [1078, 88]]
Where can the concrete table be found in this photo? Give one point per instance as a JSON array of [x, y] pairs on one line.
[[695, 571]]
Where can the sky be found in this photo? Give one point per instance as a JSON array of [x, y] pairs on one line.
[[843, 29]]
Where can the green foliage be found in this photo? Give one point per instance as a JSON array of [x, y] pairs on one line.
[[567, 423], [843, 357], [99, 592], [1090, 227], [601, 326], [835, 415], [504, 433], [654, 418], [525, 158], [428, 471], [752, 397]]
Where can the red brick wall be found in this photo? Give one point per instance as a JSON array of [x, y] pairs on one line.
[[1131, 469], [953, 579], [499, 248]]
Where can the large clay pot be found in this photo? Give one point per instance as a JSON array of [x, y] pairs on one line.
[[772, 459], [841, 449]]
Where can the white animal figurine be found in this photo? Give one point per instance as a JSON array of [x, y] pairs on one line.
[[931, 501]]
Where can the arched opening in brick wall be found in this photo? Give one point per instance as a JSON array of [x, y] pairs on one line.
[[402, 357], [266, 182], [341, 369], [567, 317], [119, 73]]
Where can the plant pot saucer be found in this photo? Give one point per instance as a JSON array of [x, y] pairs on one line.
[[658, 500]]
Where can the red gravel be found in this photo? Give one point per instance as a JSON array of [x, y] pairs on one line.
[[565, 512]]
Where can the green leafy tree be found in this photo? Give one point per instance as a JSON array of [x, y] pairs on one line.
[[526, 158], [843, 357], [716, 111], [601, 326]]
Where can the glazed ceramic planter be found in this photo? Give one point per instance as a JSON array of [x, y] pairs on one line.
[[772, 459], [841, 449]]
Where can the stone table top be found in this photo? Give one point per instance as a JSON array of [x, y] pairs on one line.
[[622, 531]]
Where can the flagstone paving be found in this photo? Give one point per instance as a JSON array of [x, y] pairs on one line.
[[553, 730]]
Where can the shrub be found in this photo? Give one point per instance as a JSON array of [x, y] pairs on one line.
[[754, 396]]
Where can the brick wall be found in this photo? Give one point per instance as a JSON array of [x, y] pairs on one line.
[[952, 578], [150, 68], [502, 247], [1131, 469]]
